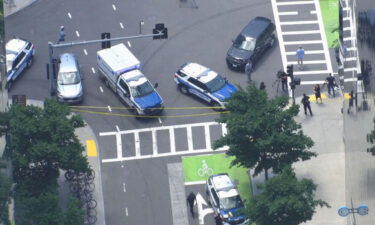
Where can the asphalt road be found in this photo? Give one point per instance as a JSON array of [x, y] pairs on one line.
[[200, 34]]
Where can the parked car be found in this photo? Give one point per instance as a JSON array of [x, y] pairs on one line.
[[251, 43], [225, 200], [69, 80], [19, 56], [206, 84]]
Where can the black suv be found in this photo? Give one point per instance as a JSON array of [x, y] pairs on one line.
[[251, 43]]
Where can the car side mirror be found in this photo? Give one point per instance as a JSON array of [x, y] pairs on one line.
[[156, 85]]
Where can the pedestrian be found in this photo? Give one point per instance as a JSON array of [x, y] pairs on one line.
[[317, 93], [248, 70], [262, 86], [330, 80], [306, 104], [351, 99], [300, 53], [284, 81], [61, 35], [191, 199]]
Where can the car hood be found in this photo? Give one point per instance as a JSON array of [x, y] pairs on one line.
[[148, 101], [233, 214], [69, 90], [239, 53], [225, 92]]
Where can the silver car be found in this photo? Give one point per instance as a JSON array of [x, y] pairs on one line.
[[69, 80]]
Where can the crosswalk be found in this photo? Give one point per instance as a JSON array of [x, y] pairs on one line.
[[165, 141], [298, 24]]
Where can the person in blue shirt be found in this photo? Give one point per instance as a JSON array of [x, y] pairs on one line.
[[61, 35], [300, 53]]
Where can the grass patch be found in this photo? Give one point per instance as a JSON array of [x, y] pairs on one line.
[[330, 14]]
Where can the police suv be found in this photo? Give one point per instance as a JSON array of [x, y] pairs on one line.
[[206, 84], [225, 200], [19, 56]]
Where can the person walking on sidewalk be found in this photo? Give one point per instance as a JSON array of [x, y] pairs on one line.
[[317, 93], [284, 81], [61, 35], [300, 53], [330, 80], [262, 86], [306, 104], [351, 99], [191, 199], [248, 70]]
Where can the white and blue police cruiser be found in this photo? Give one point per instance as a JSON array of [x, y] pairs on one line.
[[198, 80], [19, 56]]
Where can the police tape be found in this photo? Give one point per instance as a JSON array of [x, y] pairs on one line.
[[177, 108], [148, 116]]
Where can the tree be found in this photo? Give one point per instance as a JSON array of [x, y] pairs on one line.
[[262, 132], [5, 191], [74, 214], [40, 141], [285, 200]]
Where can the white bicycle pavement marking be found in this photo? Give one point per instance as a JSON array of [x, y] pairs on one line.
[[202, 212]]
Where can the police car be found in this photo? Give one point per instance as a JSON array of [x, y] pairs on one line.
[[19, 56], [206, 84], [225, 200]]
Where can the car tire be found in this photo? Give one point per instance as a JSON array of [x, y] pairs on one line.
[[30, 62], [183, 89], [216, 104]]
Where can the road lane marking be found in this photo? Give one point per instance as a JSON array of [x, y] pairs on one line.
[[129, 44], [303, 42], [124, 186], [154, 143], [207, 136], [93, 70], [346, 18], [224, 129], [346, 8], [302, 22], [347, 29], [202, 212], [350, 69], [195, 182], [109, 108], [310, 72], [126, 211], [84, 50], [295, 3], [290, 13], [91, 148], [77, 33], [309, 62], [172, 140], [323, 81], [69, 15], [121, 25], [117, 128], [301, 32], [313, 12], [352, 49], [349, 38], [119, 145], [350, 59], [160, 120], [114, 7], [137, 144], [101, 89], [190, 138], [307, 52]]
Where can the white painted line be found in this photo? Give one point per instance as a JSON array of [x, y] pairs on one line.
[[159, 128], [347, 29], [114, 7], [195, 182], [69, 15], [77, 33], [137, 144], [154, 143], [352, 49], [303, 42], [352, 79], [302, 22], [129, 44], [119, 145], [295, 3], [101, 89], [109, 108], [311, 72], [309, 62], [124, 186], [290, 13], [84, 51], [312, 82], [189, 138], [312, 12], [301, 32], [160, 121], [323, 36], [207, 136], [346, 8], [164, 155], [312, 52], [117, 128], [349, 38], [93, 70], [350, 59], [126, 211], [172, 140], [224, 129], [346, 19], [121, 25], [350, 69]]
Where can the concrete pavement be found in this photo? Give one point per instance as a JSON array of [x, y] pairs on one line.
[[13, 6]]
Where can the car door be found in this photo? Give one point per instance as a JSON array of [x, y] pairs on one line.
[[124, 92], [198, 89], [18, 64]]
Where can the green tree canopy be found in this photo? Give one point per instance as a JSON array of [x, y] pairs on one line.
[[284, 200], [262, 132], [5, 193]]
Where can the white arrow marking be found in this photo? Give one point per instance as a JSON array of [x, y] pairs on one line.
[[70, 15], [202, 212]]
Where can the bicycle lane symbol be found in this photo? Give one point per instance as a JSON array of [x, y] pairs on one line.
[[205, 170]]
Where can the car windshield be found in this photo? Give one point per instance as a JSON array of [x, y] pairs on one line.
[[243, 43], [231, 202], [68, 78], [10, 59], [142, 90], [216, 84]]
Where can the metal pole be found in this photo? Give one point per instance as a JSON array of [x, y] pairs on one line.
[[354, 221]]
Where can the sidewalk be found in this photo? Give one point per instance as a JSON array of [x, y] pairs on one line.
[[13, 6]]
